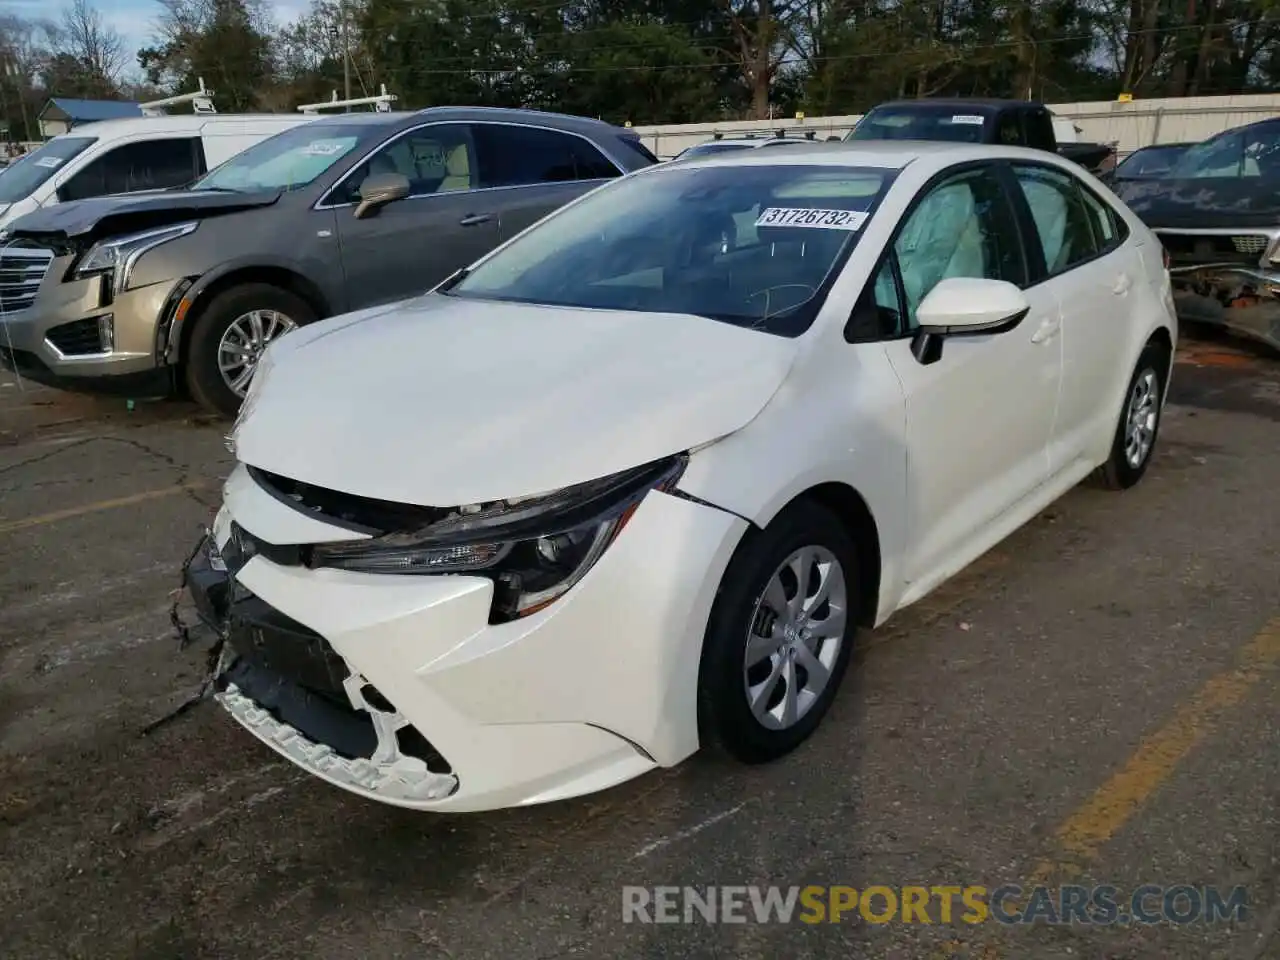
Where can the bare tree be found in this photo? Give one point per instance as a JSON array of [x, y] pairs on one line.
[[83, 34]]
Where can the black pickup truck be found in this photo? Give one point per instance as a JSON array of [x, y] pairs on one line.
[[1023, 123]]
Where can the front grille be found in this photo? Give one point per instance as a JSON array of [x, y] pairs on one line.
[[76, 338], [277, 643], [21, 271], [1189, 249], [1254, 243]]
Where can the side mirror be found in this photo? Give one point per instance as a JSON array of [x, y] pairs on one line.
[[966, 307], [380, 189]]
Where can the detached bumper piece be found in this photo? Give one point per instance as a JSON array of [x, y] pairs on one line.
[[287, 685]]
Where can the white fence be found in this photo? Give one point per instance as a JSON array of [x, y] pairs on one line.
[[1127, 125]]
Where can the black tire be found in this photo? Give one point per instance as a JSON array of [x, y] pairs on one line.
[[1120, 472], [204, 379], [725, 720]]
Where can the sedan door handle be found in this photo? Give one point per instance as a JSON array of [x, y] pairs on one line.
[[475, 219], [1047, 330], [1122, 285]]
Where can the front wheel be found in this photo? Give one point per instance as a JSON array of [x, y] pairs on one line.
[[779, 636], [229, 337], [1139, 426]]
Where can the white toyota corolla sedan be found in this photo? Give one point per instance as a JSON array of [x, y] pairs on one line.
[[630, 485]]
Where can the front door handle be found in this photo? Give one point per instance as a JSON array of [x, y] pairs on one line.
[[1122, 284], [1047, 330], [475, 219]]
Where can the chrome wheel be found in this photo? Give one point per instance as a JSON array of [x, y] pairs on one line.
[[1140, 420], [794, 637], [242, 345]]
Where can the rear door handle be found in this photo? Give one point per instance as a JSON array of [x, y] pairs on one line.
[[475, 219], [1047, 330], [1122, 285]]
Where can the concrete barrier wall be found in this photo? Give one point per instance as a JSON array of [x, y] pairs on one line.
[[1131, 125]]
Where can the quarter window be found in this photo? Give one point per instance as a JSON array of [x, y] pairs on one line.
[[144, 165], [1067, 228], [963, 227], [513, 155]]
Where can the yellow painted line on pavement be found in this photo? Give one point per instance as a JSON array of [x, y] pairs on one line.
[[9, 526], [1083, 834]]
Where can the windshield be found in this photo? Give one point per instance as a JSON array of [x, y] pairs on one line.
[[20, 179], [1149, 162], [1250, 152], [705, 149], [920, 123], [288, 160], [749, 245]]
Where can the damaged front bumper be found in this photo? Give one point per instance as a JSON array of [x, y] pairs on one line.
[[1245, 300], [1227, 278], [284, 683], [400, 688]]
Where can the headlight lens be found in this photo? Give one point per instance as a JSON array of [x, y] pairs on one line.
[[118, 255], [535, 549]]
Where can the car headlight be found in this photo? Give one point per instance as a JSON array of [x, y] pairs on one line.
[[535, 549], [118, 255]]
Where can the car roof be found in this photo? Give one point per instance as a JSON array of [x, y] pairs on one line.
[[542, 118], [188, 121], [886, 154], [960, 103]]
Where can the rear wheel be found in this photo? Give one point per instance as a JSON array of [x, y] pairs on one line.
[[229, 337], [1139, 426], [779, 636]]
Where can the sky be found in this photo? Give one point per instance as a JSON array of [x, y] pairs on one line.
[[133, 18]]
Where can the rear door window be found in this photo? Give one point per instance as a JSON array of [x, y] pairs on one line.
[[512, 155], [142, 165]]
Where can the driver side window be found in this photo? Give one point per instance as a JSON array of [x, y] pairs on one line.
[[435, 159], [963, 227]]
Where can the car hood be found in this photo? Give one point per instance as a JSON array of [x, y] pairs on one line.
[[1201, 203], [441, 401], [102, 215]]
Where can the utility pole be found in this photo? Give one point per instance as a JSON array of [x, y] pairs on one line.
[[346, 55]]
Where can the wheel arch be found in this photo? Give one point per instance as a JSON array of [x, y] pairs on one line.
[[1162, 337], [202, 292], [855, 516]]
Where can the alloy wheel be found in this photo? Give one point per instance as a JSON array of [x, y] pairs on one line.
[[243, 343], [1140, 420]]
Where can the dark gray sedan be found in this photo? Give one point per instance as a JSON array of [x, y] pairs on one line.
[[147, 293]]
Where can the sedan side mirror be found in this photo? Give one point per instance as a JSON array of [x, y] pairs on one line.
[[966, 307], [379, 189]]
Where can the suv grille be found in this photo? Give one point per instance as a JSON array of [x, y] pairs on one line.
[[1190, 249], [21, 270], [77, 338]]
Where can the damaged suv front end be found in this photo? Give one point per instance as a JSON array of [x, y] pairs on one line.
[[1217, 213]]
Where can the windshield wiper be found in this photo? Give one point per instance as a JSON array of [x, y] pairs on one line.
[[453, 280]]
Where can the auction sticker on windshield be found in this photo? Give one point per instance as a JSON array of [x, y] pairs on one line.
[[809, 217], [968, 118], [50, 162], [327, 148]]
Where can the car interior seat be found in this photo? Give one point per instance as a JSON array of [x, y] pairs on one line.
[[457, 170]]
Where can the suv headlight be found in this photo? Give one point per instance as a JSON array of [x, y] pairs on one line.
[[118, 255], [535, 549]]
